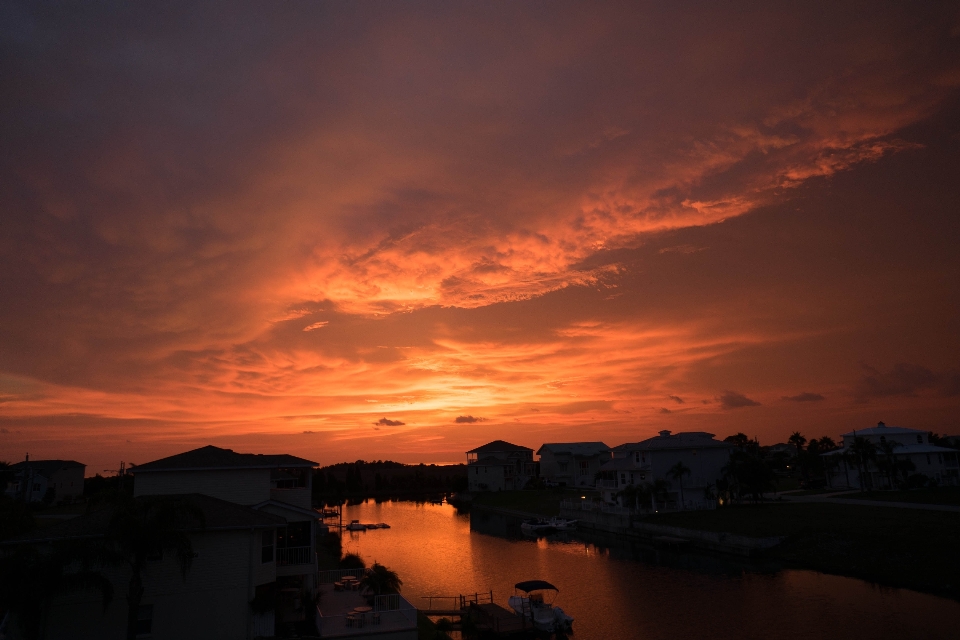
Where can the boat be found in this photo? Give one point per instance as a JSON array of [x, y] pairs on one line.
[[355, 526], [533, 608], [383, 525], [542, 526]]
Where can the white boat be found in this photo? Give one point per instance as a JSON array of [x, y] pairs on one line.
[[531, 606], [542, 526], [355, 526]]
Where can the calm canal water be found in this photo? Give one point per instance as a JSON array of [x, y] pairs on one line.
[[616, 591]]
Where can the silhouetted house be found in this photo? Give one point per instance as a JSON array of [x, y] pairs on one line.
[[499, 465], [32, 479], [650, 460], [279, 485], [572, 464], [896, 454], [232, 565]]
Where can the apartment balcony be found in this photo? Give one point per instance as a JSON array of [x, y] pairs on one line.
[[290, 556]]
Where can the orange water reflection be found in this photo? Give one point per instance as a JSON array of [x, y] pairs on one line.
[[612, 593]]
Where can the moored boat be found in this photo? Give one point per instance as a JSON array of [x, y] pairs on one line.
[[543, 526], [355, 526], [532, 607]]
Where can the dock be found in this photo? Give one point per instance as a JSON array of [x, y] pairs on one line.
[[480, 607]]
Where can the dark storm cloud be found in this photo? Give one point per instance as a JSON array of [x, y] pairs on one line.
[[905, 379], [734, 400], [804, 397]]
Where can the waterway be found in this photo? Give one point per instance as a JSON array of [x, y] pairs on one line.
[[620, 591]]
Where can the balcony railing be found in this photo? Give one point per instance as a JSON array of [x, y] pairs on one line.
[[294, 555]]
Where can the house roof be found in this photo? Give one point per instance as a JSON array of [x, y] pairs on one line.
[[47, 468], [218, 515], [574, 448], [883, 430], [211, 457], [682, 440], [497, 446]]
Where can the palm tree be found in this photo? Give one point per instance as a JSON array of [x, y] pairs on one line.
[[381, 580], [658, 490], [30, 579], [143, 527], [863, 451], [797, 440], [887, 447], [677, 472]]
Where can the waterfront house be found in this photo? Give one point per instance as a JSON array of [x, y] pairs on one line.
[[33, 478], [232, 564], [572, 464], [648, 461], [279, 485], [896, 452], [499, 465]]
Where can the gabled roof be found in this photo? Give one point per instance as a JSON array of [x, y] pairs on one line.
[[47, 468], [218, 515], [682, 440], [211, 457], [574, 448], [498, 446]]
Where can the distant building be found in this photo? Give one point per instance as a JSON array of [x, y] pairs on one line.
[[499, 466], [650, 460], [32, 479], [911, 446], [572, 464]]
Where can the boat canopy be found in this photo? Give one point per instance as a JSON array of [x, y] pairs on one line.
[[533, 585]]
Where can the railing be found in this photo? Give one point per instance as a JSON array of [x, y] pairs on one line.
[[390, 613], [461, 601], [294, 555], [603, 507], [336, 575]]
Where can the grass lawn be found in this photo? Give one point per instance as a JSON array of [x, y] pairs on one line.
[[938, 495], [544, 502], [896, 547]]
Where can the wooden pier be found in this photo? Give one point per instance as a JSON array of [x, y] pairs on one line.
[[481, 608]]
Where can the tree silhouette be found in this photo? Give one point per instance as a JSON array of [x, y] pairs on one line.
[[142, 527], [677, 472], [381, 580], [863, 452], [30, 579]]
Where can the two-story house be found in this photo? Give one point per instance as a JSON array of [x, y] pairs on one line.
[[572, 464], [651, 460], [32, 479], [499, 466], [881, 462]]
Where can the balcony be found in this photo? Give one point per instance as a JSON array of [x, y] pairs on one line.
[[289, 556], [390, 614]]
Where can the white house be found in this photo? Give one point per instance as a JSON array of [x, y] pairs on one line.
[[572, 464], [892, 447], [650, 460], [32, 479], [498, 466]]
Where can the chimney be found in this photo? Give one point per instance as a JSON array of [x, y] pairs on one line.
[[27, 458], [664, 433]]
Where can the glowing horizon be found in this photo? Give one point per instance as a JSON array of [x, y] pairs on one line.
[[332, 230]]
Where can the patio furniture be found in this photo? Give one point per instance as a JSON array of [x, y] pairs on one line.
[[338, 586], [352, 620], [376, 617]]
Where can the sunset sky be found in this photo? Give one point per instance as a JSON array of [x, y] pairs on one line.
[[400, 230]]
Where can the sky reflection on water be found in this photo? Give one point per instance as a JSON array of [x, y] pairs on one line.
[[622, 592]]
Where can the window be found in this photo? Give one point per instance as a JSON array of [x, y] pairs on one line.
[[623, 478], [584, 467], [919, 439], [637, 457], [471, 457], [266, 549], [144, 620], [562, 466], [883, 439]]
